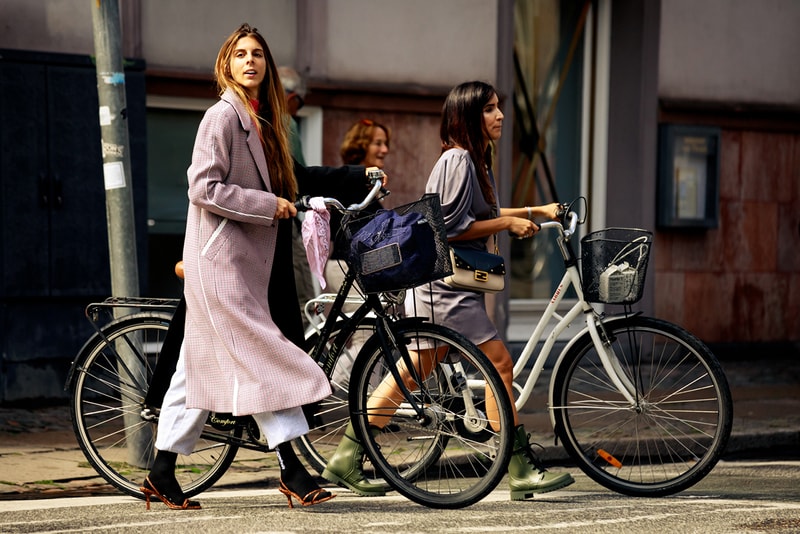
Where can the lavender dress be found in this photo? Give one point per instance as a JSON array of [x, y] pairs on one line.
[[455, 180]]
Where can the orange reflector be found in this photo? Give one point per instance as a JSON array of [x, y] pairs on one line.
[[608, 458]]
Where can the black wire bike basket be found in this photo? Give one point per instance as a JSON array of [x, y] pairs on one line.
[[391, 253], [614, 264]]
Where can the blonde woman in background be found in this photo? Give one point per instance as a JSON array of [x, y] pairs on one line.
[[366, 143]]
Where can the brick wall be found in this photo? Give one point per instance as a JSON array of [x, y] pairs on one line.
[[740, 282]]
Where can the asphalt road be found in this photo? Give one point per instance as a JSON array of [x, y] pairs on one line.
[[737, 497]]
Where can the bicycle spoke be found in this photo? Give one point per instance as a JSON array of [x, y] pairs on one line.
[[107, 401], [675, 432], [455, 453]]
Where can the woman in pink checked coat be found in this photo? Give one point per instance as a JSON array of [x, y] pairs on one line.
[[241, 191], [237, 360]]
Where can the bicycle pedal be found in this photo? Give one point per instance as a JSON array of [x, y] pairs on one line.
[[149, 414]]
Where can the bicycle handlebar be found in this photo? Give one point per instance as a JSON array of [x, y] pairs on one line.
[[302, 204], [567, 229], [564, 212]]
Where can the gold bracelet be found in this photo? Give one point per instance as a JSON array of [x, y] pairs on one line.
[[529, 212]]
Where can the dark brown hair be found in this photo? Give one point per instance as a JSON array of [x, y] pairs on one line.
[[463, 126]]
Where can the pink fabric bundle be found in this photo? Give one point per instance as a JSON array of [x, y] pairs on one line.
[[316, 237]]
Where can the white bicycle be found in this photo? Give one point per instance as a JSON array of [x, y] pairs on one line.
[[640, 404]]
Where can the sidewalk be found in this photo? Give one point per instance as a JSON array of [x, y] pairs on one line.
[[39, 456]]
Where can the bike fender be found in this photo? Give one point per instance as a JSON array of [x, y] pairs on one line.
[[97, 338], [399, 324], [75, 362], [412, 320], [572, 342]]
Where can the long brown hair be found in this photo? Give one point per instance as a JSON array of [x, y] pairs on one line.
[[271, 119], [463, 126]]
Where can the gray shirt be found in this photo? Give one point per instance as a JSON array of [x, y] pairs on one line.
[[455, 180]]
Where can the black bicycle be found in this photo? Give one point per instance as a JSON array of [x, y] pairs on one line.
[[446, 445]]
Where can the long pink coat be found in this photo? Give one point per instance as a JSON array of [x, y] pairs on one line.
[[237, 360]]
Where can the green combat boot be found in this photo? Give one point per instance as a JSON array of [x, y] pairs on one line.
[[527, 475], [344, 467]]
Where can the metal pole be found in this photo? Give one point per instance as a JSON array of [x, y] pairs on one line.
[[119, 200], [116, 150]]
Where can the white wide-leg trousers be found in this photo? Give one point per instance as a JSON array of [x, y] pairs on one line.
[[180, 427]]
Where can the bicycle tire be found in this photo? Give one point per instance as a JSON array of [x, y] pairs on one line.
[[331, 415], [107, 398], [677, 431], [453, 457]]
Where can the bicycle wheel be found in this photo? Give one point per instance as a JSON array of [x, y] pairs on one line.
[[331, 415], [677, 429], [458, 451], [108, 388]]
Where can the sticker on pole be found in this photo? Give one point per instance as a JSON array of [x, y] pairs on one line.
[[114, 175], [105, 116]]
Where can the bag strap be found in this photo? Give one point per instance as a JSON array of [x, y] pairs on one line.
[[496, 213], [495, 210]]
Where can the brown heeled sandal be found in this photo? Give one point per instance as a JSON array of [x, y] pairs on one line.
[[311, 498], [150, 490]]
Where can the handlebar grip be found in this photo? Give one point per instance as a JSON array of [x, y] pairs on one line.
[[374, 174], [301, 204]]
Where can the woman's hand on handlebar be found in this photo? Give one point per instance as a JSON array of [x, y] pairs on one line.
[[376, 178], [285, 209], [371, 173], [564, 216], [522, 228], [553, 211]]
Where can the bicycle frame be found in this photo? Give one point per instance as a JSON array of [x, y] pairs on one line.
[[351, 323], [372, 304], [594, 328]]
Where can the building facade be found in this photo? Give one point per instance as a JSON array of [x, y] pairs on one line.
[[598, 95]]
